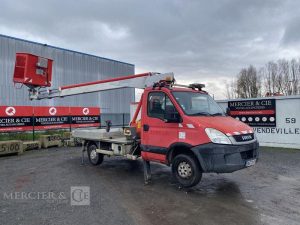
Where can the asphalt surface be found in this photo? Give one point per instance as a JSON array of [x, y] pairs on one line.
[[268, 193]]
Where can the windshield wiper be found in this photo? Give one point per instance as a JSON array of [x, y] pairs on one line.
[[200, 114], [217, 114]]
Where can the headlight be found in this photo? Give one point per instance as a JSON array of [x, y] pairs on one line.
[[217, 136]]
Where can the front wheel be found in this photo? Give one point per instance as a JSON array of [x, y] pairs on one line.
[[186, 170], [94, 157]]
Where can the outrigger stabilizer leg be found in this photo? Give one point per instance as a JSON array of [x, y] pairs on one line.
[[147, 171], [82, 153]]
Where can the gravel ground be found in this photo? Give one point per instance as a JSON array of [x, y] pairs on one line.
[[35, 189]]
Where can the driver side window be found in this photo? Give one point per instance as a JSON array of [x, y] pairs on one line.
[[159, 104]]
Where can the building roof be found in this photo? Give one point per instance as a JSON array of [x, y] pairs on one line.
[[63, 49]]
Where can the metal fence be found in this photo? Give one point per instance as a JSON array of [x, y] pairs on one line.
[[117, 119]]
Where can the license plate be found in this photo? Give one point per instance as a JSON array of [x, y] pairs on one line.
[[250, 162]]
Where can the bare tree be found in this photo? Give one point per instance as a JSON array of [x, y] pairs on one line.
[[270, 77], [229, 92], [254, 81], [231, 89], [281, 77], [283, 65], [294, 68], [248, 83]]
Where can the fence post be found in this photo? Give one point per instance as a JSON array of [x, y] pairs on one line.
[[33, 130], [70, 122]]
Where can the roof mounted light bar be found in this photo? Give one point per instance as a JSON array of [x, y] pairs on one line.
[[194, 86], [197, 86]]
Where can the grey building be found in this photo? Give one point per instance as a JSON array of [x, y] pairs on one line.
[[70, 67]]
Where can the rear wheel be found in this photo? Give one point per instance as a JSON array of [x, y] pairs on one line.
[[94, 157], [186, 170]]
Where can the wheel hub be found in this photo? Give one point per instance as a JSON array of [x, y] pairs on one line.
[[184, 170], [93, 154]]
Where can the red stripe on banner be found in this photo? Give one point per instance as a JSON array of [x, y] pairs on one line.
[[19, 118], [47, 127], [51, 111], [6, 129], [12, 111], [84, 111], [252, 112], [86, 125]]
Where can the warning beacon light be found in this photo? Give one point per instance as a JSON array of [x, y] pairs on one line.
[[32, 71]]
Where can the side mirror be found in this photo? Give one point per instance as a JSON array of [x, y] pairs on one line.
[[172, 117], [228, 111]]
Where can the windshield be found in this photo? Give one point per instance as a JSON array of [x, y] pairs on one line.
[[197, 104]]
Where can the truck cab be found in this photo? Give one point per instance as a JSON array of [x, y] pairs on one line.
[[187, 129]]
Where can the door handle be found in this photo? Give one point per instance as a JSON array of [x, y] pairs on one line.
[[146, 127]]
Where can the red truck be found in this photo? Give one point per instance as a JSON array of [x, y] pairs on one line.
[[176, 125]]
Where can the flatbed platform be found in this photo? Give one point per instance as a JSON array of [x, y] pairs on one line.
[[98, 134], [115, 135]]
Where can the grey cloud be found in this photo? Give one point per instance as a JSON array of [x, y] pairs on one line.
[[192, 38], [292, 35]]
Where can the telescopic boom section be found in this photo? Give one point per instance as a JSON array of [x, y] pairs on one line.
[[133, 81], [36, 73]]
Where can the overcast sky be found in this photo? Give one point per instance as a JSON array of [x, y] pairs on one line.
[[200, 41]]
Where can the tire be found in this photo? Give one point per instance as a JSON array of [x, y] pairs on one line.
[[186, 170], [94, 157]]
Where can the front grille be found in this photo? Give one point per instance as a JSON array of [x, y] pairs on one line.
[[243, 137], [248, 154]]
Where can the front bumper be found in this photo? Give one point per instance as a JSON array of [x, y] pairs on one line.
[[221, 158]]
